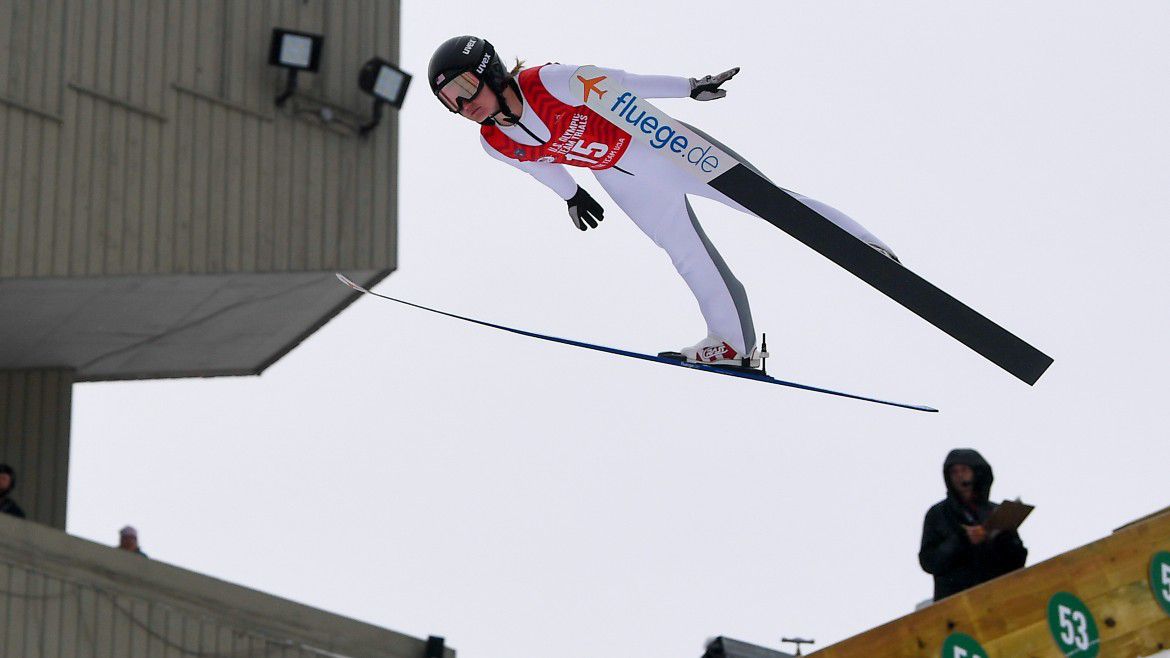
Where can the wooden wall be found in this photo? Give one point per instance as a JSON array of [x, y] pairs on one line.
[[141, 137], [1008, 616]]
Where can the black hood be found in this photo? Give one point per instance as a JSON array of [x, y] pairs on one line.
[[983, 475], [5, 468]]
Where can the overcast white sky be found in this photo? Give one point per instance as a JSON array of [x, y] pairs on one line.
[[526, 499]]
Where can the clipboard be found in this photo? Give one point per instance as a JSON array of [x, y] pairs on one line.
[[1009, 515]]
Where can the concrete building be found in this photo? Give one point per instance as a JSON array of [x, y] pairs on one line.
[[65, 597], [160, 216]]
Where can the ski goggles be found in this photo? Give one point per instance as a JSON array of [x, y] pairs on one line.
[[455, 91]]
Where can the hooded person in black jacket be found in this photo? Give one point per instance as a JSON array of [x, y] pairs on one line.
[[7, 484], [956, 549]]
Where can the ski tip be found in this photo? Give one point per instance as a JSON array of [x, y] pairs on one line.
[[346, 280]]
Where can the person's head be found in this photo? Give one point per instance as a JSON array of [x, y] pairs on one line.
[[968, 476], [468, 78], [128, 538], [7, 479]]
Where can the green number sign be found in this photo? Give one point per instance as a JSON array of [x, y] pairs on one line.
[[1160, 579], [1072, 626], [961, 645]]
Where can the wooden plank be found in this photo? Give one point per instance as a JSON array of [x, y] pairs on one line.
[[1008, 616], [1120, 615]]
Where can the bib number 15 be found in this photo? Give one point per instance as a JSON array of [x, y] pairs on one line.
[[581, 153]]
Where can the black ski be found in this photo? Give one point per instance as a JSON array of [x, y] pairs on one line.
[[723, 170]]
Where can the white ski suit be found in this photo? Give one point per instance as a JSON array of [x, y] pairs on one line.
[[649, 189]]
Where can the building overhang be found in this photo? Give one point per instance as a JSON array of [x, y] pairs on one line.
[[164, 326]]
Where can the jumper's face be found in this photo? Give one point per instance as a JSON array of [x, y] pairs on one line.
[[962, 481], [465, 93], [481, 106], [5, 482]]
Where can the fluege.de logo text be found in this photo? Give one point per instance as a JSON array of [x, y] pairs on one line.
[[662, 134]]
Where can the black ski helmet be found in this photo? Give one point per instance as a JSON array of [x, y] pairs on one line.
[[469, 54]]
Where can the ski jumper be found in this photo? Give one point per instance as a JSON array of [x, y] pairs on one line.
[[555, 129]]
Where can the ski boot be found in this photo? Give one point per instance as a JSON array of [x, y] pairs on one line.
[[714, 351]]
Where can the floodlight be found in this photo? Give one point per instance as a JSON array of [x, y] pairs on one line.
[[295, 51], [386, 83]]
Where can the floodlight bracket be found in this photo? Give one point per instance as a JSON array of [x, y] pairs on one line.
[[375, 119], [290, 87]]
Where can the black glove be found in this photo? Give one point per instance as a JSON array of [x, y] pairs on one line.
[[584, 210], [707, 88]]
